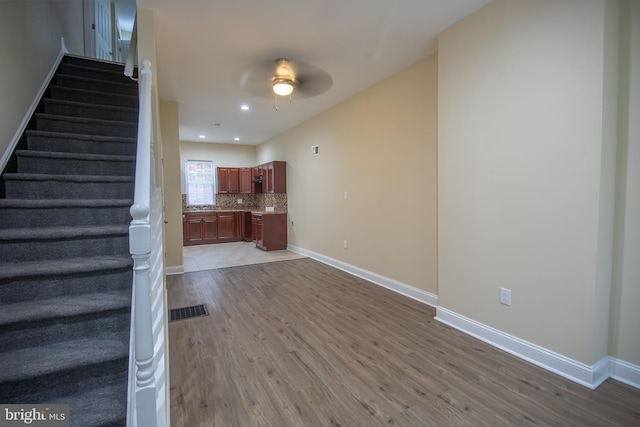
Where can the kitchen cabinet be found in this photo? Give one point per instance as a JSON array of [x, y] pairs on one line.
[[274, 177], [242, 180], [245, 180], [270, 230], [226, 226], [243, 226], [200, 228], [228, 180]]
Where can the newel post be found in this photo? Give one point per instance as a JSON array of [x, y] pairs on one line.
[[140, 249]]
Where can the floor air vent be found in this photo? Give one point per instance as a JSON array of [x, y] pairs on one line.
[[176, 314]]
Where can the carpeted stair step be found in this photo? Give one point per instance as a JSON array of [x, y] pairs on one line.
[[92, 111], [23, 313], [33, 186], [55, 163], [60, 367], [95, 84], [39, 244], [91, 71], [92, 96], [79, 125], [96, 63], [29, 213], [34, 280], [97, 407], [77, 143], [102, 322]]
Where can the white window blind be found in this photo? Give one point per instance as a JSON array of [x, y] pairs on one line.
[[200, 182]]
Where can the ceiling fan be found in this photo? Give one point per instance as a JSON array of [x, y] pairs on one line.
[[282, 77]]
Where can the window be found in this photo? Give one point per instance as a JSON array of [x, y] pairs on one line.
[[200, 182]]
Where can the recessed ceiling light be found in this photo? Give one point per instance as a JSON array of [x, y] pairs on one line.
[[244, 107], [201, 136], [236, 139]]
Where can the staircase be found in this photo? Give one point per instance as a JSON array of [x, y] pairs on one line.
[[65, 268]]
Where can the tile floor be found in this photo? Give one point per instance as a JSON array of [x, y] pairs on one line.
[[221, 255]]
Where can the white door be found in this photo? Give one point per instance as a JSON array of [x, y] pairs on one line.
[[102, 27]]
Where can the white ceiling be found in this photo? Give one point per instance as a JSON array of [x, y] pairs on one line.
[[202, 45]]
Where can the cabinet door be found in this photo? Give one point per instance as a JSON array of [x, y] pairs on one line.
[[254, 227], [259, 230], [233, 181], [184, 229], [223, 180], [245, 179], [210, 228], [194, 230], [279, 176], [226, 226], [269, 175]]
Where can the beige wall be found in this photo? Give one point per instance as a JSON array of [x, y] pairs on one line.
[[30, 33], [527, 170], [165, 140], [380, 147], [229, 155], [171, 183], [625, 315]]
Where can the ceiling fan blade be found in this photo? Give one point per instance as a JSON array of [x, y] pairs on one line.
[[256, 78]]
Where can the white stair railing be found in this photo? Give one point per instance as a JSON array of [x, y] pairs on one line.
[[148, 374]]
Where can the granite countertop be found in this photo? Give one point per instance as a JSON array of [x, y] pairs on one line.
[[252, 210]]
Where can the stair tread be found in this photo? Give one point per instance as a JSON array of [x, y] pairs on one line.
[[36, 361], [62, 307], [95, 93], [70, 178], [103, 406], [88, 67], [132, 85], [51, 233], [84, 119], [75, 156], [88, 105], [63, 267], [63, 203], [65, 135]]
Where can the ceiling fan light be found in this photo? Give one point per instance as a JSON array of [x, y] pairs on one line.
[[283, 87]]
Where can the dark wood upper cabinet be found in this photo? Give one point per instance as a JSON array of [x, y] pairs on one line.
[[245, 178], [228, 180], [233, 184], [223, 179]]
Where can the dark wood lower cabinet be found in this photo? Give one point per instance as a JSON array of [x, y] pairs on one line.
[[226, 226], [200, 228], [270, 231]]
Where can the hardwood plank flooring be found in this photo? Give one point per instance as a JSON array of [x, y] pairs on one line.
[[299, 343]]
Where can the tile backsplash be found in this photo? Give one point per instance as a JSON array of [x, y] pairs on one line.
[[249, 201]]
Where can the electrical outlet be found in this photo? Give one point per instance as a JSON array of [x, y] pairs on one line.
[[505, 296], [344, 244], [346, 195], [291, 223], [239, 201], [315, 150]]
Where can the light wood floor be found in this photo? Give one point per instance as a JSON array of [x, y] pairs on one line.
[[298, 343]]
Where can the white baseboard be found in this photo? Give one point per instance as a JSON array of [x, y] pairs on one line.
[[174, 269], [32, 108], [398, 287], [625, 372], [588, 376]]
